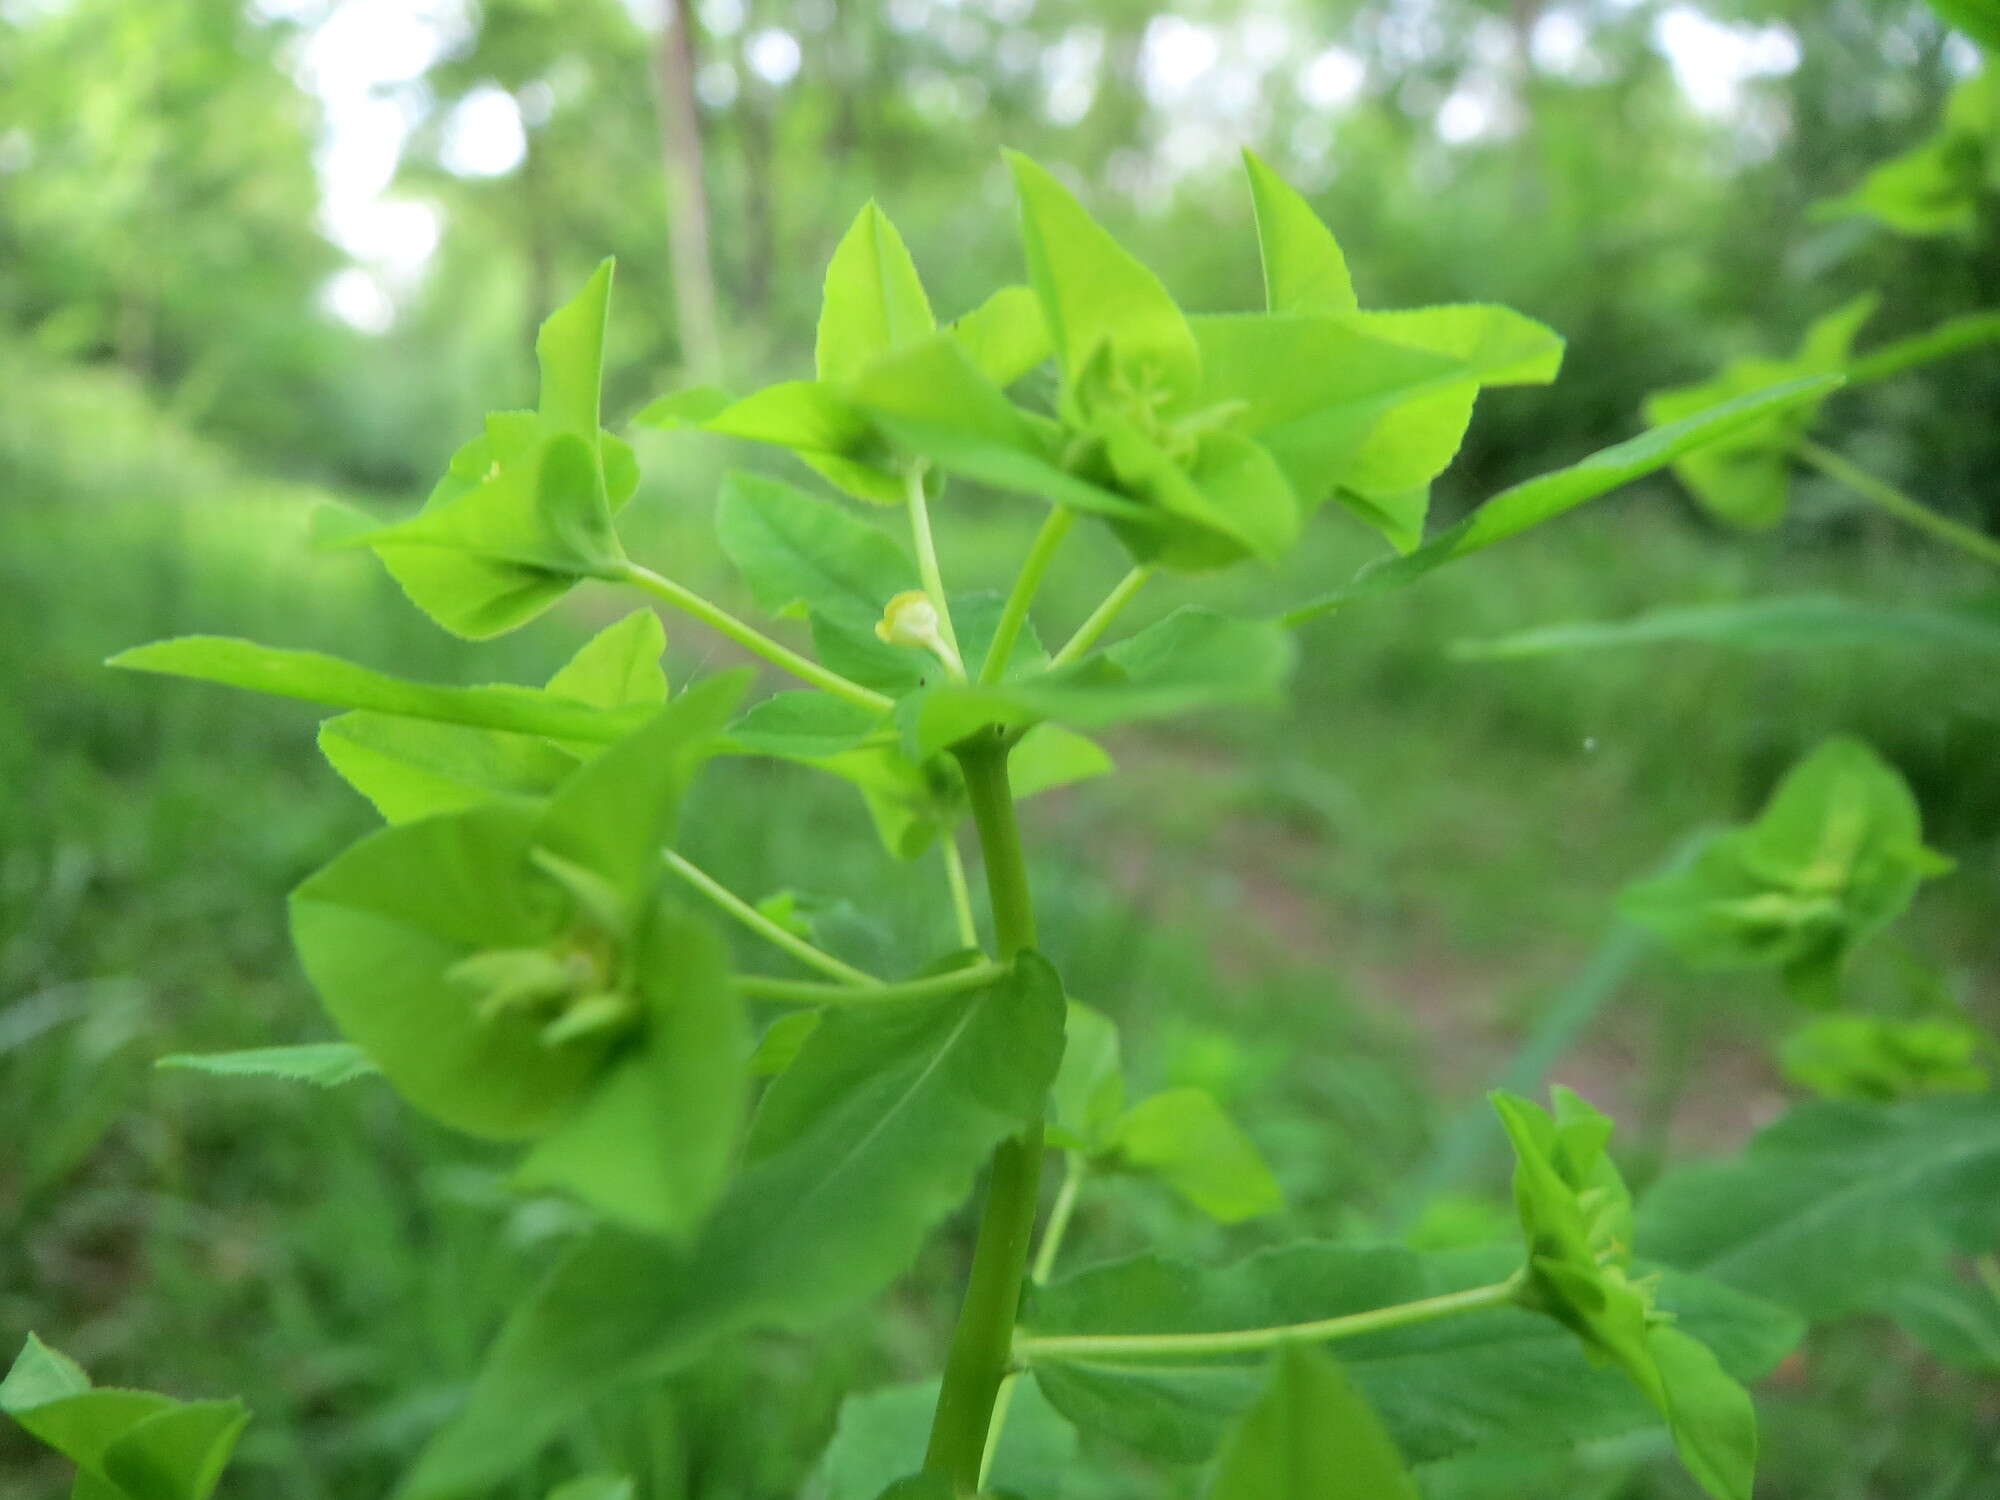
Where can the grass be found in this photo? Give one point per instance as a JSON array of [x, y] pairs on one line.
[[1342, 919]]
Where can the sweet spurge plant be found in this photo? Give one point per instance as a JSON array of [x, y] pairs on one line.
[[524, 953]]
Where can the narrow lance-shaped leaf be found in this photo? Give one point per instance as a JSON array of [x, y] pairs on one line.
[[1534, 501], [327, 1064], [1801, 622], [318, 678]]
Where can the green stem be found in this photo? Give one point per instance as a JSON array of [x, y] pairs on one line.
[[927, 563], [1949, 337], [1885, 496], [1101, 617], [961, 893], [1075, 1169], [982, 1344], [750, 638], [810, 992], [1170, 1346], [1014, 614], [763, 926]]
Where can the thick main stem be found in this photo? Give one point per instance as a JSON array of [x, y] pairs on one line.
[[982, 1344]]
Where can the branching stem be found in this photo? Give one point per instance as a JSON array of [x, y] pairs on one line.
[[683, 598], [1904, 507], [811, 992], [763, 926], [927, 564], [1101, 617], [1014, 614], [1140, 1347]]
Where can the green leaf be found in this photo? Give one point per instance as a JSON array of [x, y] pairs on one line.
[[651, 1144], [386, 931], [695, 406], [484, 557], [1871, 1057], [779, 1046], [615, 814], [569, 347], [1800, 622], [1005, 336], [1304, 271], [381, 927], [1193, 659], [874, 303], [1576, 1217], [1093, 292], [934, 401], [880, 1435], [1837, 1203], [1050, 756], [1834, 857], [799, 552], [327, 1064], [412, 768], [318, 678], [1957, 1319], [857, 1150], [1937, 186], [1744, 477], [619, 666], [1089, 1092], [1547, 496], [1183, 1138], [824, 429], [1310, 1433], [803, 725], [127, 1445], [1442, 1388]]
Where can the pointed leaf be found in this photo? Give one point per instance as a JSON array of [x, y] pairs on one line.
[[1006, 335], [619, 666], [858, 1148], [1311, 1433], [1534, 501], [318, 678], [1183, 1138], [1093, 292], [874, 303], [570, 350], [1304, 271], [327, 1064]]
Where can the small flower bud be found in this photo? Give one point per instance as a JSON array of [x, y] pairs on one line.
[[910, 619]]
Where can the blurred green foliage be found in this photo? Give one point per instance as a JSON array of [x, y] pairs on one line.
[[1346, 927]]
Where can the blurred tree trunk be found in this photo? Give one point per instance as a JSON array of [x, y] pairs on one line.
[[688, 247], [760, 229]]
